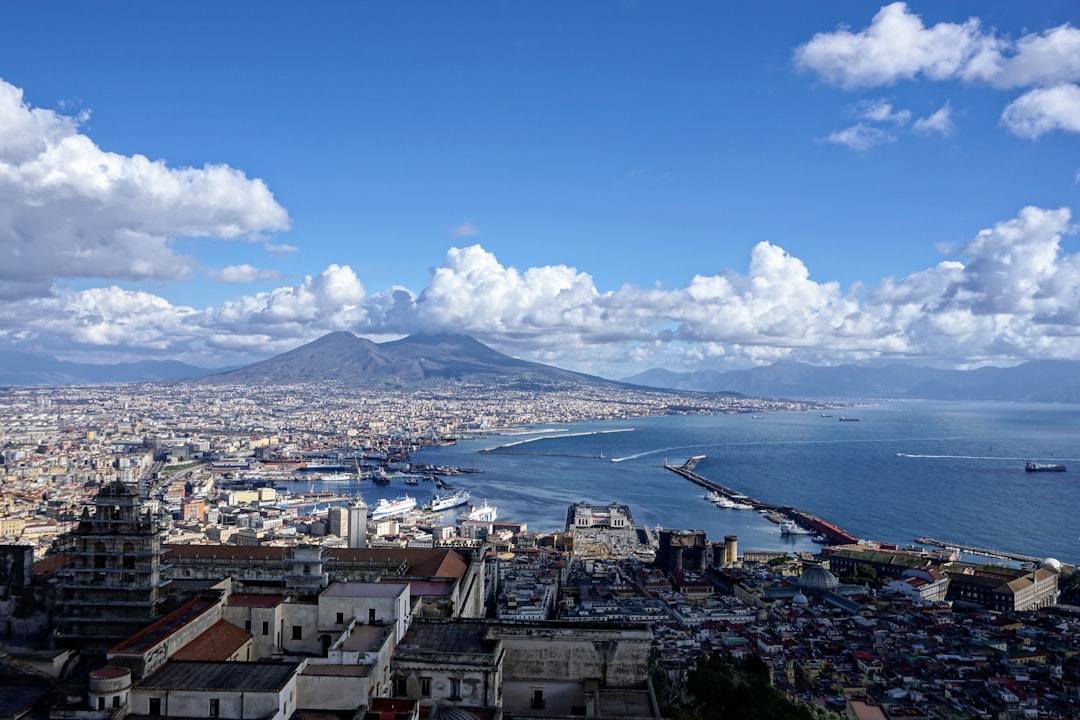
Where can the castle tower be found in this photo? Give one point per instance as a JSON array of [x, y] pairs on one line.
[[114, 584]]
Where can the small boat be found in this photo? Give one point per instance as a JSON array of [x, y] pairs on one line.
[[410, 480], [847, 419], [1043, 467]]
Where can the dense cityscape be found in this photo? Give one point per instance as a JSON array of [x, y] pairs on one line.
[[147, 548]]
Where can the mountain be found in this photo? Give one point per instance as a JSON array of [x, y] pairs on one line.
[[1035, 381], [417, 360], [32, 368]]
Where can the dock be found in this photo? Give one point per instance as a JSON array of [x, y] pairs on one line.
[[985, 552], [835, 535]]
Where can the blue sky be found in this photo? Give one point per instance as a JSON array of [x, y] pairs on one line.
[[604, 186]]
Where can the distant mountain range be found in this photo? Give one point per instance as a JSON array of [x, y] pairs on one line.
[[31, 368], [415, 361], [1035, 381], [431, 360]]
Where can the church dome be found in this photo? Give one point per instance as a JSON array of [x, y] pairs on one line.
[[800, 599], [816, 579]]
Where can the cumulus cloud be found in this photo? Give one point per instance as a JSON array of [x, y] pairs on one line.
[[1009, 293], [69, 209], [896, 46], [1044, 110], [243, 274]]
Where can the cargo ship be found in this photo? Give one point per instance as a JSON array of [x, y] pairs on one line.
[[1044, 467]]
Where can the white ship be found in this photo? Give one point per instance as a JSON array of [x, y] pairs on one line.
[[445, 501], [790, 528], [484, 513], [388, 508]]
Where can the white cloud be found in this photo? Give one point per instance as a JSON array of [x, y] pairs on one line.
[[937, 123], [881, 111], [243, 274], [71, 210], [859, 137], [1044, 110], [465, 229], [471, 291], [281, 249], [898, 46], [895, 46], [1010, 293]]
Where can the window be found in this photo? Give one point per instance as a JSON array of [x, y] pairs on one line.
[[537, 699], [371, 616], [400, 686], [266, 628], [247, 625], [341, 618], [215, 708], [455, 689], [425, 687], [100, 703], [297, 632], [155, 706]]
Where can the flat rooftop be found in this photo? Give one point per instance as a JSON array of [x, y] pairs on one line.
[[236, 676], [364, 589]]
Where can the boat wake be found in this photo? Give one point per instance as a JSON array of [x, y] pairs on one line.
[[635, 456], [516, 443], [967, 457]]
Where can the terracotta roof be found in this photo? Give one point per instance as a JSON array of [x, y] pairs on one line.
[[219, 642], [224, 552], [154, 634]]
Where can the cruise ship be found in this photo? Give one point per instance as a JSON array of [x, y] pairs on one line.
[[389, 508], [445, 501]]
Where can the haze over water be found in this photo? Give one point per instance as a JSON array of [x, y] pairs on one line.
[[952, 471]]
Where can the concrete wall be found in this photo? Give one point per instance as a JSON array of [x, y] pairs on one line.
[[332, 692], [252, 619], [305, 617], [616, 657], [232, 705]]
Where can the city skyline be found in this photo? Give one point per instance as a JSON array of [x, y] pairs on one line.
[[607, 189]]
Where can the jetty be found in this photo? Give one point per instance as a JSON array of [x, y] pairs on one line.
[[834, 534], [985, 552]]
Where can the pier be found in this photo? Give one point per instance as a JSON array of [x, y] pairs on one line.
[[835, 535], [985, 552]]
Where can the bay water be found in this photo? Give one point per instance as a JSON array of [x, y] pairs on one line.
[[948, 470]]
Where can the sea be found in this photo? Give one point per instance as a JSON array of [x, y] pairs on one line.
[[953, 471]]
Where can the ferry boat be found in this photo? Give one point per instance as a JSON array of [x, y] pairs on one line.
[[1044, 467], [388, 508], [484, 513], [445, 501]]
